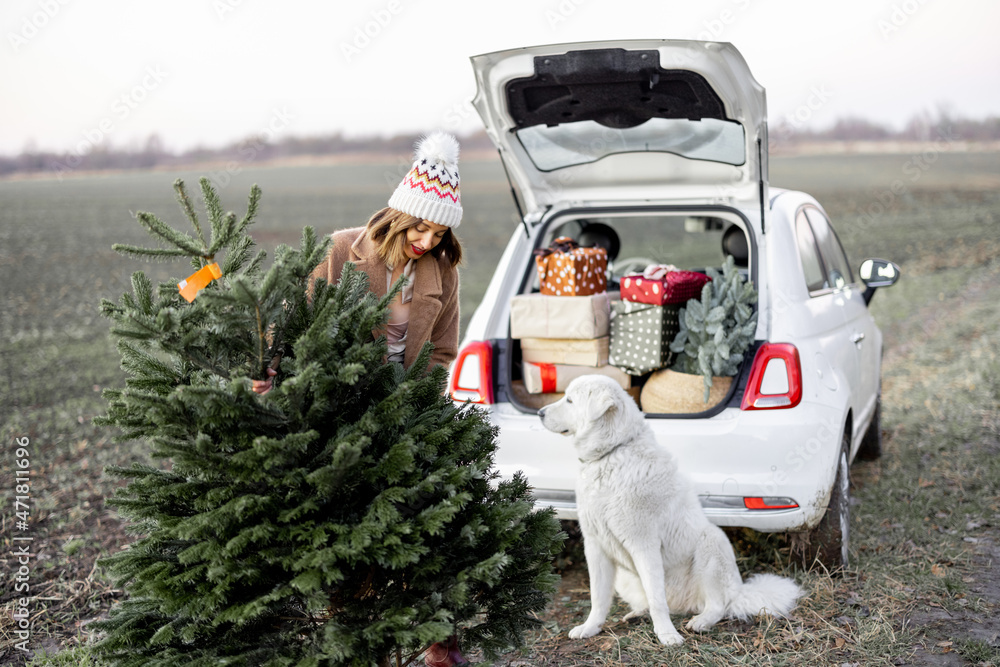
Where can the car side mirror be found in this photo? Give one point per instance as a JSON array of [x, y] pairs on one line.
[[877, 273]]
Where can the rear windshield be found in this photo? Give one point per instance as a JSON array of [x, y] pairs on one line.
[[688, 242], [586, 141]]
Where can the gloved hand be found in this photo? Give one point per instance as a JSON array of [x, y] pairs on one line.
[[445, 654]]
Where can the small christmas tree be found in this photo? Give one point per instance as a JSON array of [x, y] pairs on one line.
[[718, 329], [348, 517]]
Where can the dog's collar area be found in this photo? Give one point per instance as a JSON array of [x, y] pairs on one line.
[[602, 455]]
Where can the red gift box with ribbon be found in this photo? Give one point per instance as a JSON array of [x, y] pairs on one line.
[[566, 269], [661, 284]]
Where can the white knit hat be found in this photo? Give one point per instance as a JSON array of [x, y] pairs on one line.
[[430, 190]]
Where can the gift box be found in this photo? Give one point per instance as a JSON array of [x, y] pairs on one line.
[[662, 284], [546, 316], [566, 269], [538, 401], [641, 334], [569, 351], [552, 378]]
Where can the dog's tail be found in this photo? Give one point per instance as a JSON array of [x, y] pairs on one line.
[[765, 594]]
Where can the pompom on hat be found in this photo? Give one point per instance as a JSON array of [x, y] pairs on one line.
[[430, 189]]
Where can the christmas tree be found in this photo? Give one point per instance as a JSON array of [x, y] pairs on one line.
[[351, 516]]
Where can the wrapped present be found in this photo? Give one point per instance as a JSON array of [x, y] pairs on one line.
[[538, 401], [566, 269], [552, 378], [534, 401], [569, 351], [547, 316], [661, 284], [641, 334]]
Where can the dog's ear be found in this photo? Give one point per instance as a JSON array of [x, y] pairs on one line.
[[601, 400]]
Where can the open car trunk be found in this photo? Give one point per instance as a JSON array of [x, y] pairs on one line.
[[695, 239], [662, 141]]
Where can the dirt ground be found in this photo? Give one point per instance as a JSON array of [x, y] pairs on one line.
[[942, 629], [939, 632]]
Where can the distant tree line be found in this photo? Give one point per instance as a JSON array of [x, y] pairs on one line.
[[922, 127], [783, 134]]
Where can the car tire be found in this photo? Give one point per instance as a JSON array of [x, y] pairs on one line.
[[829, 540], [871, 445]]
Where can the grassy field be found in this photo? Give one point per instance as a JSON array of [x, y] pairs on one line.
[[923, 587]]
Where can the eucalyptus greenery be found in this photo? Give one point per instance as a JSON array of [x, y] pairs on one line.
[[717, 329]]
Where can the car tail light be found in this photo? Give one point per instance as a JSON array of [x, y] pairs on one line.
[[775, 378], [769, 503], [472, 376]]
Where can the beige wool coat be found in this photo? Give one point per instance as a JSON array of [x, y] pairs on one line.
[[434, 309]]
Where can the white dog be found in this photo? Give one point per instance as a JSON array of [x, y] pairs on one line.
[[644, 531]]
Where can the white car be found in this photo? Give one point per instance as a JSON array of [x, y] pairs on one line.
[[657, 149]]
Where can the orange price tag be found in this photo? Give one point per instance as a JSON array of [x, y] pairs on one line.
[[199, 279]]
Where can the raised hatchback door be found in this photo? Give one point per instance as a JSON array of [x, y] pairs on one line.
[[626, 120]]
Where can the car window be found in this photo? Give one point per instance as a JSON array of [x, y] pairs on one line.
[[812, 267], [837, 267], [687, 242], [569, 144]]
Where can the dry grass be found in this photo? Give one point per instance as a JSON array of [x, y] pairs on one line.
[[918, 590]]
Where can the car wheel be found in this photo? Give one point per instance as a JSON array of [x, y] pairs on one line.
[[871, 445], [828, 542]]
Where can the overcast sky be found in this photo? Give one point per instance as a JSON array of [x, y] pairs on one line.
[[209, 72]]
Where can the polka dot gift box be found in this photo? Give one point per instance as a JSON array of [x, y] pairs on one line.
[[565, 269], [641, 334], [660, 284]]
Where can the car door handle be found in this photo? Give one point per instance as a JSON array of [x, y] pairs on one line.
[[857, 338]]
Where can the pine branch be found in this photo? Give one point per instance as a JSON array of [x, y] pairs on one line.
[[251, 213], [214, 208], [185, 202], [157, 228], [143, 253], [222, 234]]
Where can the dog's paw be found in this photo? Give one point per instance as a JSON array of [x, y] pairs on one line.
[[670, 637], [584, 631], [635, 613], [700, 624]]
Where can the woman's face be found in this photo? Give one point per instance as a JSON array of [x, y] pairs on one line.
[[422, 238]]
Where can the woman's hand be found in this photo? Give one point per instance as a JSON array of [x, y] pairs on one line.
[[263, 386]]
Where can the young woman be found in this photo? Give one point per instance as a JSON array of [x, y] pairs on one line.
[[414, 236]]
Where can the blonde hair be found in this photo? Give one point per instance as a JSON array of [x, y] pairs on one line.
[[388, 227]]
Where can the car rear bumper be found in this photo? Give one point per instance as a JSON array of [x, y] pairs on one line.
[[727, 458]]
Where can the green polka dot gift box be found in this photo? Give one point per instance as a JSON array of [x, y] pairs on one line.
[[641, 334]]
